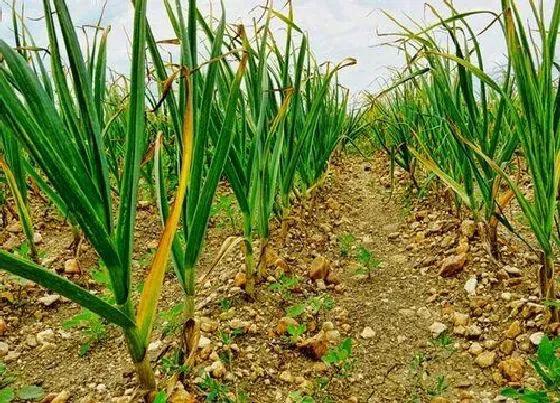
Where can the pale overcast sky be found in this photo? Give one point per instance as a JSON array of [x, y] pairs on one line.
[[337, 28]]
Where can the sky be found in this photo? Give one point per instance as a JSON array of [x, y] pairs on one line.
[[337, 29]]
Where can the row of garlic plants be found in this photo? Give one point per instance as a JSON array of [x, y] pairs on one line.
[[261, 115], [466, 127]]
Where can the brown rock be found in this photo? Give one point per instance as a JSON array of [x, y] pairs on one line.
[[486, 359], [72, 266], [3, 326], [180, 395], [512, 369], [271, 256], [240, 280], [314, 347], [62, 397], [282, 325], [320, 268], [281, 265], [507, 346], [453, 265], [460, 319], [514, 330], [333, 279]]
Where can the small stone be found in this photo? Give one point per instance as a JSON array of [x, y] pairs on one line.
[[101, 388], [407, 312], [437, 328], [320, 268], [315, 347], [319, 367], [3, 326], [507, 346], [11, 244], [453, 265], [240, 280], [512, 369], [282, 325], [46, 336], [368, 333], [327, 327], [512, 271], [72, 266], [473, 331], [460, 319], [15, 227], [506, 296], [320, 284], [463, 247], [11, 356], [62, 397], [4, 348], [208, 325], [468, 228], [155, 346], [470, 286], [286, 376], [333, 279], [48, 300], [514, 330], [204, 342], [218, 369], [30, 340], [486, 359], [536, 338], [37, 238], [476, 349], [180, 395], [153, 244]]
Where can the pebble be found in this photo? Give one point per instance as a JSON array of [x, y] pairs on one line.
[[507, 346], [368, 333], [155, 346], [486, 359], [31, 341], [4, 348], [62, 397], [204, 342], [512, 369], [37, 238], [453, 265], [3, 326], [46, 336], [240, 280], [476, 349], [72, 266], [286, 376], [470, 286], [536, 338], [514, 330], [460, 319], [49, 300], [320, 268], [512, 271], [11, 356], [437, 328], [468, 228]]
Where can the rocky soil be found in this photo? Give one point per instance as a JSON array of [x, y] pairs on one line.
[[430, 317]]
